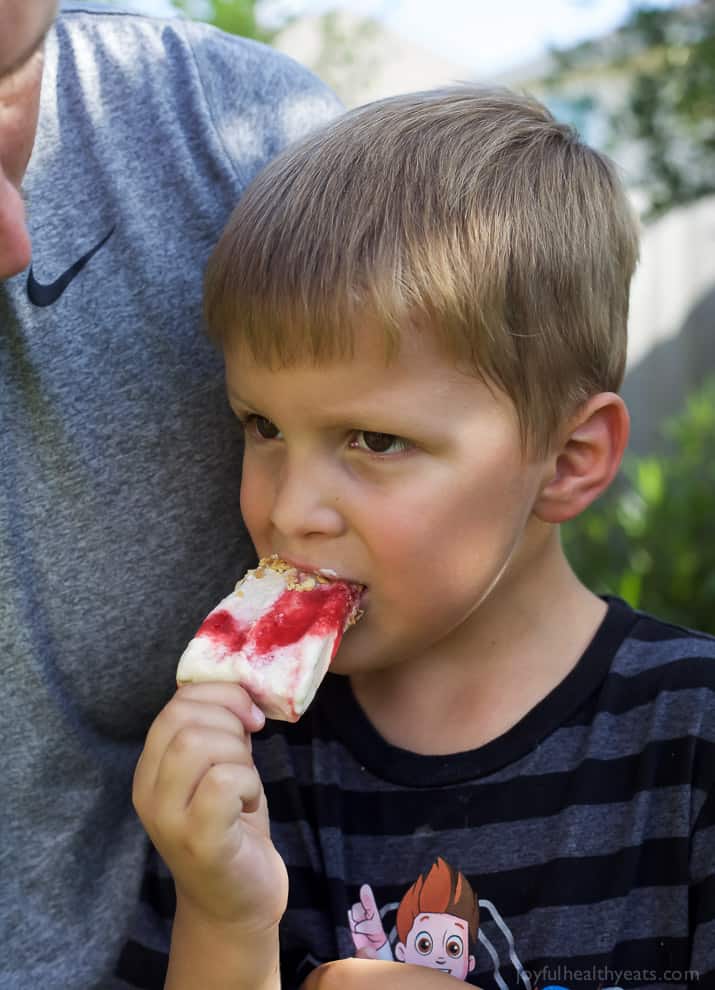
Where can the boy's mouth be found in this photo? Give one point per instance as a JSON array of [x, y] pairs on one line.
[[332, 575], [306, 570]]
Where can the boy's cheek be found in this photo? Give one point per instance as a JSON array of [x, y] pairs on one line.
[[255, 501]]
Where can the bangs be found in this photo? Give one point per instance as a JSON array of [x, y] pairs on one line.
[[287, 312], [286, 318]]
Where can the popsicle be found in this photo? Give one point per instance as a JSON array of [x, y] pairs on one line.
[[275, 634]]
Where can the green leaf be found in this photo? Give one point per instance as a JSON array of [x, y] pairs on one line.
[[650, 480]]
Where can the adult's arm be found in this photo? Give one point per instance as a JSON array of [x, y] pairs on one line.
[[258, 99]]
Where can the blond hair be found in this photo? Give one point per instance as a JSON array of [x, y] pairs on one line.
[[469, 211]]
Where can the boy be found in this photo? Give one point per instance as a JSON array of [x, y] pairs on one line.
[[423, 316]]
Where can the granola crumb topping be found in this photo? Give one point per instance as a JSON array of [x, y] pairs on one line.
[[295, 580]]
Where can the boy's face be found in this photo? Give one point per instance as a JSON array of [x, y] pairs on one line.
[[408, 478]]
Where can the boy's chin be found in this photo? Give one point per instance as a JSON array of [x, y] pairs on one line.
[[357, 653], [362, 651]]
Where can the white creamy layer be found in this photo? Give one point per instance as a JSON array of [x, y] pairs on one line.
[[283, 681]]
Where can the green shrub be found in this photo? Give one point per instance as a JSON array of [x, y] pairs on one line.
[[651, 540]]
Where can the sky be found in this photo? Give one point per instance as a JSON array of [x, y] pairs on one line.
[[488, 34]]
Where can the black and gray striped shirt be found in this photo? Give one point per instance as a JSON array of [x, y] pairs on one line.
[[586, 832]]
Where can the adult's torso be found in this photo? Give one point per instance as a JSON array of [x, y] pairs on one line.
[[119, 488]]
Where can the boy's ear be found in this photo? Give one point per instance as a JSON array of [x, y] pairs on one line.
[[587, 459]]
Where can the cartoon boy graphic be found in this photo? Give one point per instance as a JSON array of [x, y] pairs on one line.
[[437, 922]]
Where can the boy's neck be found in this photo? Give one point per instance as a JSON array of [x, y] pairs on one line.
[[519, 645]]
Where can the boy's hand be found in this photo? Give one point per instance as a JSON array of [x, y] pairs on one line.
[[372, 974], [200, 798]]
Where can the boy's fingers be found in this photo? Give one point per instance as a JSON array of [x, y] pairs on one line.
[[231, 696], [188, 758], [225, 706], [224, 793]]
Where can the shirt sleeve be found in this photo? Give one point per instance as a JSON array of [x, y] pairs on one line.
[[259, 100]]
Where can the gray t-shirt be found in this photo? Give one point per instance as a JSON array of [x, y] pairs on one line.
[[119, 459]]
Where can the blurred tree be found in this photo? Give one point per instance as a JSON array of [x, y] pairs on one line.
[[350, 52], [667, 56], [234, 16]]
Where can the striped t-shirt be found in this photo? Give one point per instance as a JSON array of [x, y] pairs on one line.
[[576, 850]]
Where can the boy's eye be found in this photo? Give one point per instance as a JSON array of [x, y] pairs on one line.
[[423, 943], [378, 443], [265, 429], [454, 946]]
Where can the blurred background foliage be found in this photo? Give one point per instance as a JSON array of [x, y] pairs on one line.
[[233, 16], [651, 539], [669, 106]]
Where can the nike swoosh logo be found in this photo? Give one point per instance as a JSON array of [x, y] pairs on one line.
[[46, 295]]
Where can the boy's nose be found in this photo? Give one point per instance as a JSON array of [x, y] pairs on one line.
[[306, 502]]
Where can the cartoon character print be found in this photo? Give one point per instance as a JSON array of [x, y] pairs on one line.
[[437, 923]]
